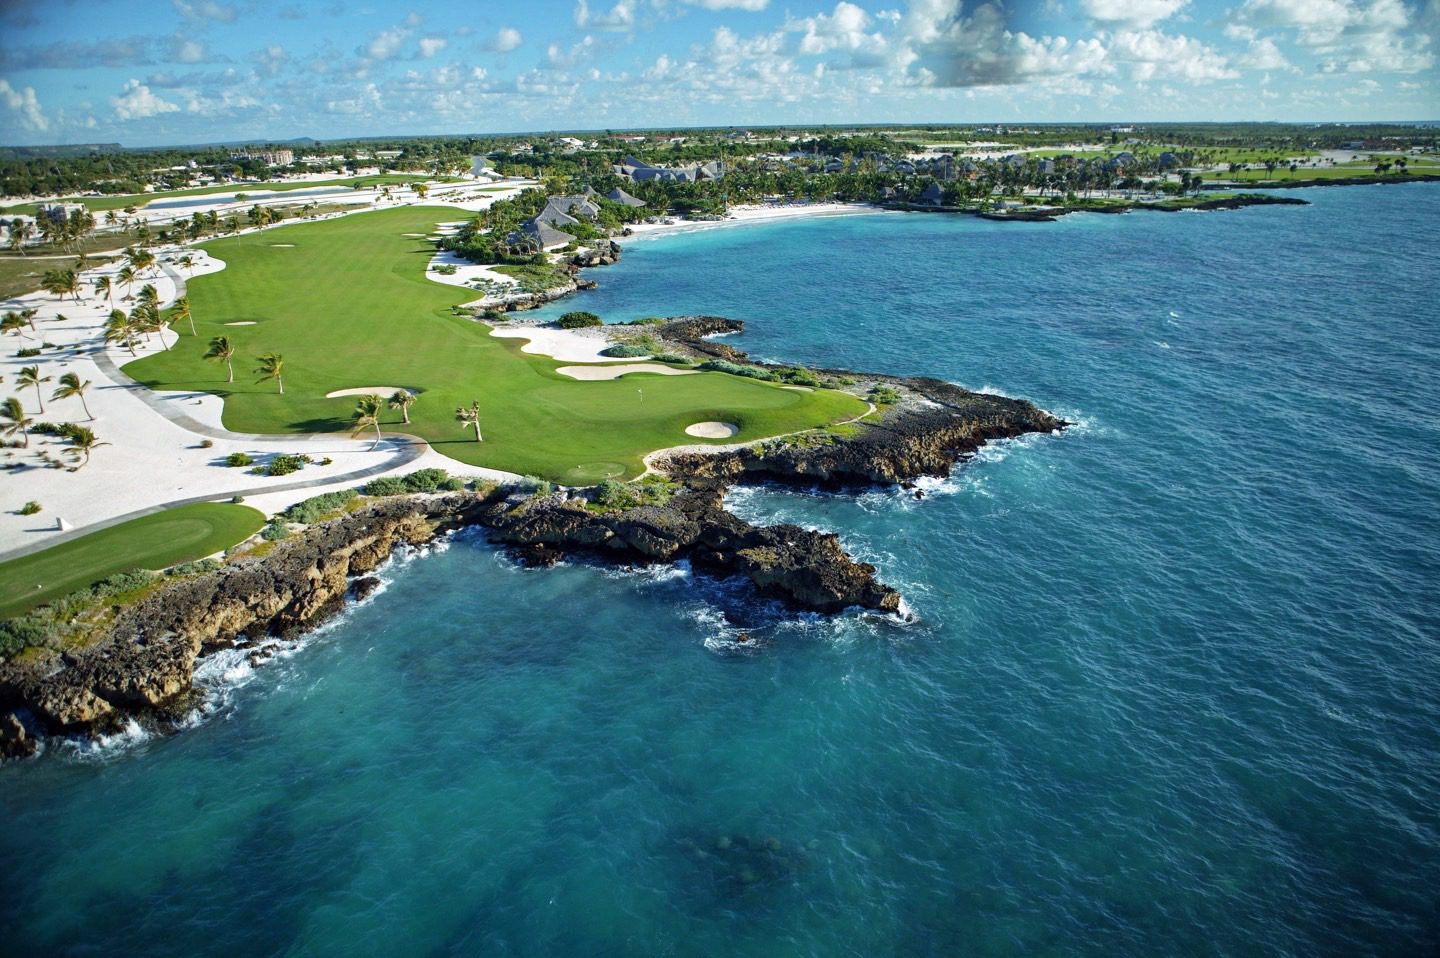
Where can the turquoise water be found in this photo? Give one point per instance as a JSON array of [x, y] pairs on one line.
[[1173, 687]]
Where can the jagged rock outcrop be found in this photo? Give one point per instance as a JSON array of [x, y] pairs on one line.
[[603, 253], [143, 666]]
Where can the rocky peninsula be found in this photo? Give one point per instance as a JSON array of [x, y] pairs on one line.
[[141, 664]]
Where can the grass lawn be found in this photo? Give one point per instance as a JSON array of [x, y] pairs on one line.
[[150, 542], [348, 305], [97, 204]]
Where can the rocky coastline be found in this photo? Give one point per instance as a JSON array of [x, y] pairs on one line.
[[142, 667]]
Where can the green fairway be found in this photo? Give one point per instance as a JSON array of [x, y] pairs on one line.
[[99, 204], [348, 305], [150, 542]]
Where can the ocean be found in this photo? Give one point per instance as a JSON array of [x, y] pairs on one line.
[[1172, 684]]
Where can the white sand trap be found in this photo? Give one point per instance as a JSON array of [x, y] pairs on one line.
[[283, 245], [712, 430], [591, 373], [386, 391], [414, 235], [799, 389], [243, 322]]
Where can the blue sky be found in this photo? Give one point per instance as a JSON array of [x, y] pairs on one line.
[[185, 71]]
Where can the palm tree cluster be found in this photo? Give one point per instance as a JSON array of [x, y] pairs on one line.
[[66, 230]]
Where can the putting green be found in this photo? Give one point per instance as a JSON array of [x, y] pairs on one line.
[[151, 542], [350, 303]]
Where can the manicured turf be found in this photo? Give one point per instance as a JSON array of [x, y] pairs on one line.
[[150, 542], [349, 305], [98, 204]]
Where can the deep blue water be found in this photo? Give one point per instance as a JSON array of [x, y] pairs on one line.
[[1174, 687]]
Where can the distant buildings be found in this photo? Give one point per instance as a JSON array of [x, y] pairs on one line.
[[638, 171], [268, 157]]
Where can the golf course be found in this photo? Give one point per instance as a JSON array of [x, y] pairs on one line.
[[347, 304], [150, 542], [120, 201]]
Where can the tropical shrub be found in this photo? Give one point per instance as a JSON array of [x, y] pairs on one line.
[[283, 465], [238, 459], [625, 351], [30, 508], [884, 395], [312, 509], [579, 318], [275, 530], [422, 480]]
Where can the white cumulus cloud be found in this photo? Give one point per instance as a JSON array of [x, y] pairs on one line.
[[429, 46], [25, 103], [506, 40], [1134, 13], [136, 102]]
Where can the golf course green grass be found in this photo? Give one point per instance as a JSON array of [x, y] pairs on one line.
[[156, 541], [348, 305], [119, 201]]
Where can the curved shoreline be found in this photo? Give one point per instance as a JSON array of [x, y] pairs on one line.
[[142, 665]]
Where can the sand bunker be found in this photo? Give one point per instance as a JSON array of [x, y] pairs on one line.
[[591, 373], [712, 430], [798, 389], [283, 245], [386, 391], [243, 322]]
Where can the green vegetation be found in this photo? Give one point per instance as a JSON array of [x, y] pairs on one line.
[[535, 277], [236, 459], [150, 542], [304, 303], [318, 508], [421, 480], [579, 319]]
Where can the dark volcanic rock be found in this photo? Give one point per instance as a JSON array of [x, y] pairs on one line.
[[143, 667]]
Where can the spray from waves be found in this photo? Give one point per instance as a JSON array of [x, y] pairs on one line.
[[221, 675]]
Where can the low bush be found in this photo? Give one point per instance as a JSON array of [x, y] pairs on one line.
[[275, 530], [671, 358], [422, 480], [625, 351], [27, 353], [312, 509], [884, 395], [282, 465], [446, 269], [207, 443], [736, 369], [238, 459], [122, 582], [578, 319], [198, 567], [30, 508], [613, 494]]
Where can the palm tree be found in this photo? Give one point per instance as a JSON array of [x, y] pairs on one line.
[[12, 322], [72, 385], [469, 418], [401, 400], [126, 276], [20, 231], [367, 415], [147, 320], [62, 282], [181, 310], [271, 366], [82, 442], [120, 329], [141, 259], [29, 316], [102, 284], [222, 351], [188, 261], [149, 296], [15, 419], [30, 376]]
